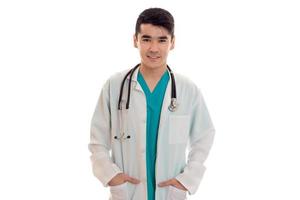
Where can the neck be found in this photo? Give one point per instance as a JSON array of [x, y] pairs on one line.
[[152, 73]]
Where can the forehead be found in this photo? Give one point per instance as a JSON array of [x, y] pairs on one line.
[[153, 31]]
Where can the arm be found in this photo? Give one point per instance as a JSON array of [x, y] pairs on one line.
[[100, 144], [200, 141]]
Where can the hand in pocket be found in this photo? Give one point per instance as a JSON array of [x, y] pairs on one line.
[[122, 178], [173, 182]]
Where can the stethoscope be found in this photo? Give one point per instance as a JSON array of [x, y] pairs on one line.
[[172, 107], [124, 113]]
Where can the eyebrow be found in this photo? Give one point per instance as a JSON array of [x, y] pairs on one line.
[[149, 37]]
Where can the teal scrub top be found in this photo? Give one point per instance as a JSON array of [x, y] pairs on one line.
[[154, 103]]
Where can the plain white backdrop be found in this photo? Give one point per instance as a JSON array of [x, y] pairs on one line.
[[56, 55]]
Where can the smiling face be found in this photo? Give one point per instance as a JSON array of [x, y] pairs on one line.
[[154, 44]]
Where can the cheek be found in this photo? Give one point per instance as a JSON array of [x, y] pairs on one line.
[[164, 53], [143, 49], [143, 53]]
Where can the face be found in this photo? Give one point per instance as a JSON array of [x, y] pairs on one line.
[[154, 44]]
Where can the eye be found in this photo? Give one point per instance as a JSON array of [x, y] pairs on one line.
[[146, 40], [162, 41]]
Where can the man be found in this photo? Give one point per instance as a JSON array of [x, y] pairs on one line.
[[148, 141]]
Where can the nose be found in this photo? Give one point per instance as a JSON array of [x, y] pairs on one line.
[[153, 46]]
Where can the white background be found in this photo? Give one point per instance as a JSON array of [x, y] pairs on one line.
[[55, 56]]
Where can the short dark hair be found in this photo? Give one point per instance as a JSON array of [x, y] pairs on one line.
[[156, 17]]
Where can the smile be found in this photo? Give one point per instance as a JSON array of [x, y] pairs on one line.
[[151, 57]]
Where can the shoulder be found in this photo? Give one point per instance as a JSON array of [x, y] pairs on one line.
[[116, 78], [186, 83], [113, 82], [188, 88]]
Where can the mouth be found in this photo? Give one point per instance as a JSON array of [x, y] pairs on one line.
[[153, 57]]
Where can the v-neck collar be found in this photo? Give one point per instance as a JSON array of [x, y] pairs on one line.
[[141, 78]]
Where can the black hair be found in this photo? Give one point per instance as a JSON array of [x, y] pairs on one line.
[[156, 17]]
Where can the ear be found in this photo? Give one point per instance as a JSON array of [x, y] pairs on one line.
[[172, 43], [135, 41]]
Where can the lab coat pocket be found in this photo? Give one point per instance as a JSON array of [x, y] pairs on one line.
[[178, 128], [176, 194], [119, 192]]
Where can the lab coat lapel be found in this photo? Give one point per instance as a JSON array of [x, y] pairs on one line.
[[134, 82], [137, 86]]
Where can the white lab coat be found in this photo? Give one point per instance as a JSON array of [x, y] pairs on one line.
[[188, 128]]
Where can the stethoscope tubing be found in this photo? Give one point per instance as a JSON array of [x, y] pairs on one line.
[[172, 106]]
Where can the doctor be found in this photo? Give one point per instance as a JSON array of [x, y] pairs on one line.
[[146, 119]]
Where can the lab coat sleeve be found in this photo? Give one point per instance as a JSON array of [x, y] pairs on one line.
[[100, 143], [200, 141]]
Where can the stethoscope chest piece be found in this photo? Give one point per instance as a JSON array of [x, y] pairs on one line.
[[173, 105]]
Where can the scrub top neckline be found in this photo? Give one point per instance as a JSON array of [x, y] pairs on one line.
[[141, 78]]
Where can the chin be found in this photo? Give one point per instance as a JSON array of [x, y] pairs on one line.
[[153, 65]]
